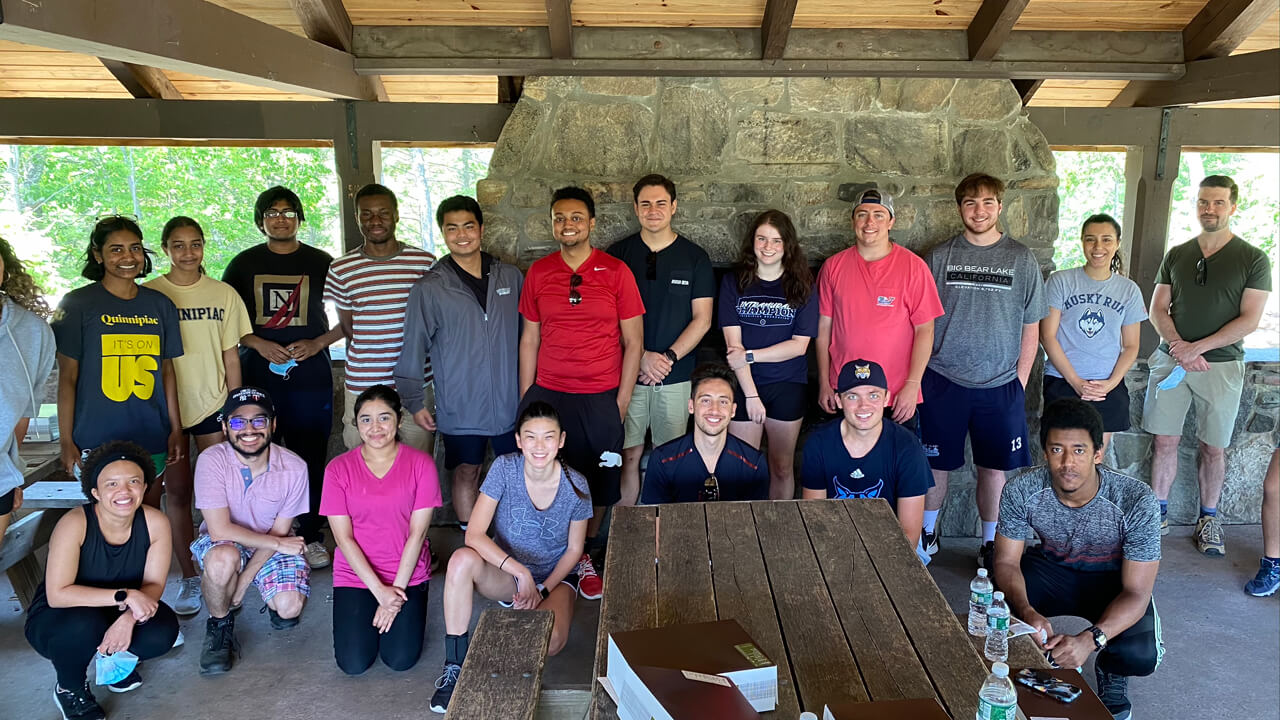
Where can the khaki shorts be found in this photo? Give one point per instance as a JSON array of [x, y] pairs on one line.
[[662, 409], [1215, 392], [410, 433]]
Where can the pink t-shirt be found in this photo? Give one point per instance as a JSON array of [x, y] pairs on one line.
[[379, 510], [281, 491], [874, 309]]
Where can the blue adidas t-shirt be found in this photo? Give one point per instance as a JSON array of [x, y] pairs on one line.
[[764, 316], [896, 466], [676, 473]]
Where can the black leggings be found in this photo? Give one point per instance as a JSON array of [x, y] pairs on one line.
[[356, 642], [1054, 589], [70, 636]]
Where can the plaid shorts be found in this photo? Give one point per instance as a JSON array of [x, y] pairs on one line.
[[280, 573]]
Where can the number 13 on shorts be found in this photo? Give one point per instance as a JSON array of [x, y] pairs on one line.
[[1015, 444]]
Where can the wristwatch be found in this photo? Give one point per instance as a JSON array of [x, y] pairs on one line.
[[1099, 637], [751, 357], [670, 354], [121, 595]]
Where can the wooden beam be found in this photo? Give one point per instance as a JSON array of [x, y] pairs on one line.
[[1222, 25], [327, 22], [1131, 127], [142, 81], [1236, 77], [778, 15], [560, 28], [1027, 88], [991, 26], [190, 36]]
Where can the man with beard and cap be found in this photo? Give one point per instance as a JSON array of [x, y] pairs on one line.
[[708, 463], [250, 490]]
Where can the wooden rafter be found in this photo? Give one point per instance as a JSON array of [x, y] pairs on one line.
[[991, 26], [1027, 88], [1222, 25], [142, 81], [560, 28], [1237, 77], [776, 26], [327, 22]]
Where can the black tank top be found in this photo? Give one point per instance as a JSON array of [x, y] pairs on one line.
[[103, 565]]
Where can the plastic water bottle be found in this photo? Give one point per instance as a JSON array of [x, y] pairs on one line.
[[997, 628], [998, 699], [979, 600]]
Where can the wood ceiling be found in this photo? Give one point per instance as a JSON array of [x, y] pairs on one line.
[[28, 70]]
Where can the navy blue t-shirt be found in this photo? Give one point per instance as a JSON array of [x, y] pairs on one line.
[[896, 466], [677, 474], [766, 319]]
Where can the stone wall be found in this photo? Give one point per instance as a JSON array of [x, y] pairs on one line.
[[737, 146]]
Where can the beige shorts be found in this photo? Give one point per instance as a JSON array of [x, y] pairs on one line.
[[661, 409], [410, 433], [1215, 392]]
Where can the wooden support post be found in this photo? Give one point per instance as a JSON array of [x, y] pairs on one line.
[[991, 26], [560, 28], [142, 81], [1149, 173], [355, 155], [776, 26]]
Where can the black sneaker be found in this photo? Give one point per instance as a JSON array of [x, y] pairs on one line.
[[219, 645], [1113, 692], [986, 555], [278, 622], [78, 704], [445, 684], [132, 681], [930, 541]]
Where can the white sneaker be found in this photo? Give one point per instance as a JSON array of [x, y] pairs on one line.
[[190, 596], [316, 555], [180, 640]]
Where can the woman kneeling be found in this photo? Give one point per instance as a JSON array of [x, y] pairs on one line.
[[539, 510], [106, 572]]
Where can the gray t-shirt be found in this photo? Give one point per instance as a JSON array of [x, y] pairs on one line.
[[537, 538], [1121, 522], [1093, 312], [988, 294]]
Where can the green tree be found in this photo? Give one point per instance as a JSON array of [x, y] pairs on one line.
[[1088, 183], [422, 177]]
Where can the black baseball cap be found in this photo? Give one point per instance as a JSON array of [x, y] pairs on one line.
[[247, 395], [861, 372]]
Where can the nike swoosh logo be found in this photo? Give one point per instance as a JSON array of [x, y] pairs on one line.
[[598, 269]]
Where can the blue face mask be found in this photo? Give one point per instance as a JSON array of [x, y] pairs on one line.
[[282, 369], [114, 667]]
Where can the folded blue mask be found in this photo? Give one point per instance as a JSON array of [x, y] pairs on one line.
[[1174, 379], [114, 667], [282, 369]]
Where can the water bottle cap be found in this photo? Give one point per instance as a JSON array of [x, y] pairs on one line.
[[997, 595], [982, 572], [808, 716], [999, 669]]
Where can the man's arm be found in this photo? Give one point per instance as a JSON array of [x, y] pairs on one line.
[[692, 334], [822, 348], [413, 354], [904, 400], [1008, 577], [1161, 320], [911, 517], [1137, 579], [280, 530], [1251, 305], [530, 340], [221, 528], [632, 348], [1027, 352]]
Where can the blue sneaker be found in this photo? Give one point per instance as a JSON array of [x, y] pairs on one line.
[[1266, 582]]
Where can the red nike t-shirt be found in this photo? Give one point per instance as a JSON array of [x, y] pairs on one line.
[[581, 345]]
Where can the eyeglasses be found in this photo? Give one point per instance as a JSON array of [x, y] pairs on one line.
[[113, 217], [710, 489], [651, 271], [273, 214], [259, 422], [575, 297], [1202, 272]]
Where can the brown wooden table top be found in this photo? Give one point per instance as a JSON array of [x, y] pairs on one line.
[[829, 589]]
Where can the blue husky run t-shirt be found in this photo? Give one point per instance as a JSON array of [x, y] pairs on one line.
[[765, 318], [896, 466], [121, 346]]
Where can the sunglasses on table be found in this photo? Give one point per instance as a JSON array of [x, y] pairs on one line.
[[259, 422], [575, 297]]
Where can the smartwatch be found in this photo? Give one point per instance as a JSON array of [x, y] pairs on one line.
[[751, 357], [121, 595], [543, 590], [670, 355], [1099, 637]]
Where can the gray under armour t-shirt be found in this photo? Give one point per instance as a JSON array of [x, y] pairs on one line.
[[1093, 312], [1121, 522], [537, 538], [988, 294]]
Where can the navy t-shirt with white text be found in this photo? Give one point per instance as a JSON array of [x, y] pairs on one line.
[[765, 318]]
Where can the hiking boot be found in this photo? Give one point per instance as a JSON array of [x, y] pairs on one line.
[[132, 681], [78, 704], [986, 555], [1208, 536], [219, 645], [277, 622], [445, 684], [1112, 691], [929, 540], [590, 586], [189, 597], [1267, 581], [316, 555]]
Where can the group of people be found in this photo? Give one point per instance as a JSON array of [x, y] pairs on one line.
[[565, 373]]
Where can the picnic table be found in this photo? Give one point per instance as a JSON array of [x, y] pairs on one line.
[[829, 589], [48, 492]]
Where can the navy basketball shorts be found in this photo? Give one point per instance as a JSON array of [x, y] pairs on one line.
[[994, 420]]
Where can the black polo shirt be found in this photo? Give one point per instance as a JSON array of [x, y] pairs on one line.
[[676, 473]]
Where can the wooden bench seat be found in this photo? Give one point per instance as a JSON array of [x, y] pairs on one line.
[[502, 675], [17, 555]]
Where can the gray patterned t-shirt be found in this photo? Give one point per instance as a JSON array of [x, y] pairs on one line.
[[537, 538], [1121, 522]]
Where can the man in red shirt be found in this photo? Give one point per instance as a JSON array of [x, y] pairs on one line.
[[580, 351]]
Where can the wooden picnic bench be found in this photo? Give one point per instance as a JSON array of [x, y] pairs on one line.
[[501, 677], [45, 497], [829, 589]]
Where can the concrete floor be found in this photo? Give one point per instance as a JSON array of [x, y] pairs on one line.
[[1221, 659]]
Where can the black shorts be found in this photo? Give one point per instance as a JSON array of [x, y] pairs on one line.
[[6, 501], [207, 426], [593, 437], [470, 449], [783, 401], [1114, 410]]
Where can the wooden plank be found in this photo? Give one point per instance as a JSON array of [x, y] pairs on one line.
[[685, 592], [186, 35], [630, 589], [54, 494], [1237, 77], [142, 81], [25, 536], [327, 22], [954, 666], [881, 648], [1223, 25], [776, 26], [820, 657], [560, 28], [502, 674], [991, 27], [741, 586], [1109, 14]]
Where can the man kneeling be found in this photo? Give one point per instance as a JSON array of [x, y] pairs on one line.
[[539, 510], [1098, 555], [249, 490]]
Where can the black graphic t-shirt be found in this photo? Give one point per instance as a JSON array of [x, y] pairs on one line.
[[284, 295]]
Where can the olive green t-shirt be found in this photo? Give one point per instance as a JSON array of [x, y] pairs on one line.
[[1199, 311]]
